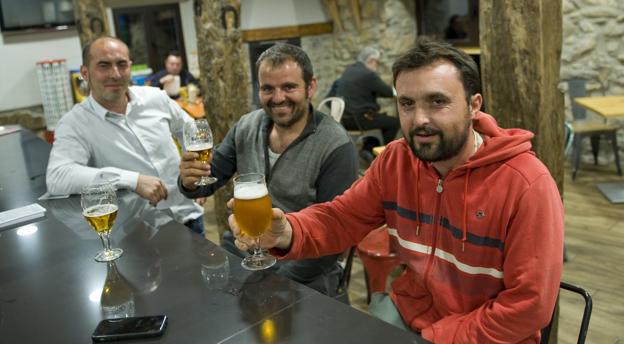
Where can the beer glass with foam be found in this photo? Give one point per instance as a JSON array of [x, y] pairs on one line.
[[99, 207], [198, 139], [253, 214]]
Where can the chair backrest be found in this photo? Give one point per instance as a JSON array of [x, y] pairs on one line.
[[568, 136], [586, 314], [336, 107], [576, 88]]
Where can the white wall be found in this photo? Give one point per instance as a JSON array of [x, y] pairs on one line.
[[277, 13], [19, 53]]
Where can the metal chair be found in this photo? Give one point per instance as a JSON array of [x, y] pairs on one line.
[[581, 128], [586, 314], [342, 294], [378, 258]]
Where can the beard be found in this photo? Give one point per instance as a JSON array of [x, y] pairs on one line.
[[448, 146], [299, 110]]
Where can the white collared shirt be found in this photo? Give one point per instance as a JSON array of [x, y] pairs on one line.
[[93, 144]]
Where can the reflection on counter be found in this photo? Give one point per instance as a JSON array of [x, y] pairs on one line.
[[264, 296], [215, 269], [117, 298]]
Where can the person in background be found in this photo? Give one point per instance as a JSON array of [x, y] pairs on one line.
[[173, 67], [360, 86], [482, 265], [455, 29], [121, 134], [306, 156]]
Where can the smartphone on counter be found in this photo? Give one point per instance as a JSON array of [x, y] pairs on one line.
[[129, 328]]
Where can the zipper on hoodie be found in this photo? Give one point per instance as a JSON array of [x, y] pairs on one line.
[[439, 188]]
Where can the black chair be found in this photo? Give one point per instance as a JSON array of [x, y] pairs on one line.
[[586, 314]]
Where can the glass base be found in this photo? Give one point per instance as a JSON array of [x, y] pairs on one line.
[[258, 262], [206, 181], [108, 255]]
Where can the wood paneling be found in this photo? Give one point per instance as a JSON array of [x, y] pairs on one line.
[[287, 32]]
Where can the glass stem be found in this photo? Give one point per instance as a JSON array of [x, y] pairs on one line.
[[105, 241], [257, 250]]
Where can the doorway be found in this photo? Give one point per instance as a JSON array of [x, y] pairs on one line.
[[150, 32]]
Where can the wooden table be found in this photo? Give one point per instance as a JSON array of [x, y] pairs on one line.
[[378, 150], [608, 107], [471, 50], [195, 109], [605, 106]]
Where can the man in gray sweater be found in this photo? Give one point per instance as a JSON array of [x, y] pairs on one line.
[[306, 156]]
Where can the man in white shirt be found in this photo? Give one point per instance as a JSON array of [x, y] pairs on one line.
[[121, 134]]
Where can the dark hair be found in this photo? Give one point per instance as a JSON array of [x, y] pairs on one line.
[[427, 51], [282, 52], [86, 50], [174, 53]]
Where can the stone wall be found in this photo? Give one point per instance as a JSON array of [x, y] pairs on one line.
[[388, 25], [593, 49]]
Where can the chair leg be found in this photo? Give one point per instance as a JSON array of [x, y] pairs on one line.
[[616, 152], [576, 155], [595, 146]]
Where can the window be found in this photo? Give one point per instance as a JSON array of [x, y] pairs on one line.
[[456, 21]]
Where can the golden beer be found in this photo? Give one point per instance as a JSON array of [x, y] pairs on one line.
[[252, 209], [204, 150], [101, 217]]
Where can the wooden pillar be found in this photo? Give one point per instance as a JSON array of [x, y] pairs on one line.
[[520, 57], [91, 19], [224, 78]]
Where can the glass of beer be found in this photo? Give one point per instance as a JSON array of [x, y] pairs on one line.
[[198, 139], [99, 207], [253, 214]]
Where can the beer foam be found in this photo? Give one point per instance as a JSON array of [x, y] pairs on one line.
[[199, 147], [250, 191], [99, 210]]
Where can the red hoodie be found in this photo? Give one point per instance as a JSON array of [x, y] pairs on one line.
[[484, 255]]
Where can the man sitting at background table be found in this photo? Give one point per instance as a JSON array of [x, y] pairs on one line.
[[360, 86], [173, 68], [305, 155], [477, 217], [121, 134]]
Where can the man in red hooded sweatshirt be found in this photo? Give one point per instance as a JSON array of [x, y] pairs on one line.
[[477, 217]]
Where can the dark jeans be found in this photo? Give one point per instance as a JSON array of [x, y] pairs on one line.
[[196, 225], [389, 126]]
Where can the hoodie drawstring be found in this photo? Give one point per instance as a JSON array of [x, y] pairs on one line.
[[465, 215], [417, 199]]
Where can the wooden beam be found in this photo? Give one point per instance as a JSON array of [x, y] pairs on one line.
[[287, 32], [357, 17], [224, 77], [520, 59], [332, 6]]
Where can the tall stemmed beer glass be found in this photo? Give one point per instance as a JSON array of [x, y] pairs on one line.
[[99, 207], [253, 214], [198, 139]]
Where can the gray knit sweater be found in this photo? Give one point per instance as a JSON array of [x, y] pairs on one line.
[[319, 165]]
